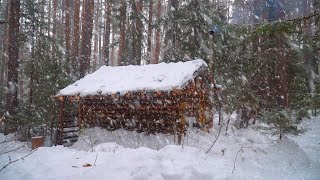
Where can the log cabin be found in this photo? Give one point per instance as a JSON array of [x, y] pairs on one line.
[[155, 98]]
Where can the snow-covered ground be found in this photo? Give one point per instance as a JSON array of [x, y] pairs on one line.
[[130, 155]]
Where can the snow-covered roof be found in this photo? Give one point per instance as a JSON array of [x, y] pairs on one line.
[[122, 79]]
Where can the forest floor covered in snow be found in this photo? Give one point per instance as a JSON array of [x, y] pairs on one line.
[[251, 153]]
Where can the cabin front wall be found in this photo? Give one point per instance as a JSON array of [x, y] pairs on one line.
[[150, 112]]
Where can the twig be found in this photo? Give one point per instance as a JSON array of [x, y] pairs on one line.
[[227, 126], [94, 164], [235, 159], [11, 150], [91, 143], [5, 140], [215, 139], [5, 148], [10, 162]]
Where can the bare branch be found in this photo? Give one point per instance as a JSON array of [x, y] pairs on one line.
[[94, 164], [215, 139], [11, 150], [5, 148], [235, 159], [10, 162], [5, 140]]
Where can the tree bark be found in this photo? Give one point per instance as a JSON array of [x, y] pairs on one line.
[[67, 36], [49, 18], [149, 45], [316, 6], [87, 27], [112, 55], [123, 17], [107, 32], [137, 32], [13, 53], [96, 36], [3, 48], [306, 51], [76, 35], [157, 38], [54, 28]]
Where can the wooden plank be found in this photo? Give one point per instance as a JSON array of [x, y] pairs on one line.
[[60, 120], [182, 122]]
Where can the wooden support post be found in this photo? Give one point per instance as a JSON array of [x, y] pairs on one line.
[[182, 121], [60, 120], [201, 110], [53, 116], [80, 112]]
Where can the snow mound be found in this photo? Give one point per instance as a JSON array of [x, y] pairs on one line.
[[121, 79], [108, 147]]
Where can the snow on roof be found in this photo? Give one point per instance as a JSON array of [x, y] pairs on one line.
[[121, 79]]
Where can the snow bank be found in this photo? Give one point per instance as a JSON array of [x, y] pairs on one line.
[[118, 157], [107, 79]]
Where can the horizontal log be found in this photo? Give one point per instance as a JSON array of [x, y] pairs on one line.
[[133, 112]]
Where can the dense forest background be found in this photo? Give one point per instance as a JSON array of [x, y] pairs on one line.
[[265, 53]]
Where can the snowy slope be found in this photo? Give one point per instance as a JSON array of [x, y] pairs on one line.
[[107, 79], [120, 155]]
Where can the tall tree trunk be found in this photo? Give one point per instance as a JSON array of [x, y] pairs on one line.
[[175, 5], [306, 51], [282, 68], [67, 36], [87, 27], [149, 45], [112, 55], [96, 36], [137, 33], [13, 52], [157, 38], [62, 26], [123, 17], [42, 14], [54, 28], [76, 36], [3, 49], [106, 45], [33, 43], [49, 18], [316, 6]]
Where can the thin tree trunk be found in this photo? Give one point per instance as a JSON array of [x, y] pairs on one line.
[[306, 52], [86, 37], [149, 45], [3, 48], [67, 36], [107, 32], [112, 58], [54, 28], [33, 39], [101, 32], [157, 40], [76, 36], [42, 16], [316, 6], [62, 26], [49, 18], [96, 36], [121, 57]]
